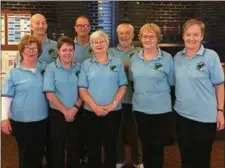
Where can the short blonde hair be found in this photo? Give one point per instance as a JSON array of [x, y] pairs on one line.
[[27, 40], [125, 25], [192, 22], [151, 27], [98, 34]]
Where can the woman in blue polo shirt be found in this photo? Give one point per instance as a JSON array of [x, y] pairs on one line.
[[152, 73], [24, 106], [199, 97], [60, 85], [102, 85]]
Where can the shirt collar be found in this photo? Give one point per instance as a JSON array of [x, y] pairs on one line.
[[59, 64], [160, 54], [200, 51], [119, 48], [47, 40], [38, 65], [93, 59]]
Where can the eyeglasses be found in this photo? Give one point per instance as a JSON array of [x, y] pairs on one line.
[[82, 26], [31, 49], [151, 37], [98, 42]]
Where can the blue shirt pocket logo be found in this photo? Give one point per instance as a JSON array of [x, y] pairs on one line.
[[113, 68], [158, 66], [200, 66]]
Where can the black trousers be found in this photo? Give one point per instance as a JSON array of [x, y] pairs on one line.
[[30, 138], [102, 129], [64, 138], [195, 140], [129, 131], [152, 131]]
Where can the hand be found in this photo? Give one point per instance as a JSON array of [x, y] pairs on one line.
[[70, 115], [100, 111], [109, 107], [6, 127], [220, 121]]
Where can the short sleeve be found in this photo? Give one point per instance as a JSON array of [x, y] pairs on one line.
[[83, 79], [170, 73], [122, 75], [216, 71], [49, 79], [8, 89]]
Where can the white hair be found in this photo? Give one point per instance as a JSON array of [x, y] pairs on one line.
[[98, 34]]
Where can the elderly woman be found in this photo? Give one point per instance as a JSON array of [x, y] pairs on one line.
[[25, 108], [152, 73], [102, 85], [199, 97], [60, 85]]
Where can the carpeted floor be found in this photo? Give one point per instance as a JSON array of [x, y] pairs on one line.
[[172, 159]]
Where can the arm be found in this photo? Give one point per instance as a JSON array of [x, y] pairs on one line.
[[53, 99], [5, 124], [220, 105]]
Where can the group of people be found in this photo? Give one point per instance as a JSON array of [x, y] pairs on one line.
[[83, 95]]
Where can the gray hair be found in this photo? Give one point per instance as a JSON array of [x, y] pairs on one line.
[[98, 34], [125, 25]]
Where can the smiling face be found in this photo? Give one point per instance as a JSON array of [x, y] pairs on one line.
[[125, 36], [99, 45], [38, 24], [149, 40], [30, 53], [66, 52], [192, 37]]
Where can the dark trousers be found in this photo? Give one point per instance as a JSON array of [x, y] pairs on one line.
[[195, 141], [64, 137], [102, 129], [152, 131], [30, 138], [129, 132]]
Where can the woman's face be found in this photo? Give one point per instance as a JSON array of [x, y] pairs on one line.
[[99, 46], [66, 53], [149, 40], [30, 52], [193, 37]]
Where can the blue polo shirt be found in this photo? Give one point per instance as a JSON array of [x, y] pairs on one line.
[[195, 80], [102, 80], [125, 57], [62, 82], [152, 80], [29, 102], [82, 53], [49, 52]]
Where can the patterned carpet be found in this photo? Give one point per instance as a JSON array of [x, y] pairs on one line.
[[172, 159]]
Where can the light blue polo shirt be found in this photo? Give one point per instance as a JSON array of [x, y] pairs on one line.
[[82, 53], [102, 80], [62, 82], [29, 102], [125, 57], [152, 80], [49, 51], [195, 80]]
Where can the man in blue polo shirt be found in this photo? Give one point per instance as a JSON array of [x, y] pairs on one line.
[[49, 47], [82, 46], [124, 51]]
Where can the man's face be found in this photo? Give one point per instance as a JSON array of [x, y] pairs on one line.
[[38, 24], [125, 36], [82, 27]]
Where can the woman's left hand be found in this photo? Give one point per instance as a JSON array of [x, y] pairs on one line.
[[220, 121], [109, 107], [71, 114]]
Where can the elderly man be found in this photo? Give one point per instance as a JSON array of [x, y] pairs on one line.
[[128, 130]]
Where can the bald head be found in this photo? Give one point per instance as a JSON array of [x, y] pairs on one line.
[[38, 24]]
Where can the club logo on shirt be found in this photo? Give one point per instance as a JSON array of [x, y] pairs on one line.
[[52, 53], [200, 66], [113, 68], [77, 73], [131, 54], [90, 51], [158, 66], [42, 72]]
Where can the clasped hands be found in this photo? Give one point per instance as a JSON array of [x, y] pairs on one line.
[[104, 110], [70, 113]]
